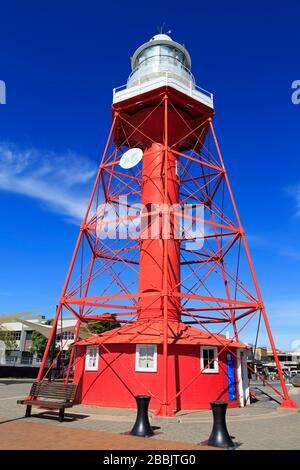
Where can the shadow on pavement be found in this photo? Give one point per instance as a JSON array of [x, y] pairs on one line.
[[15, 382], [263, 392], [69, 418]]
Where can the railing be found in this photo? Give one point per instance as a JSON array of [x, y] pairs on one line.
[[26, 360], [168, 76], [205, 92], [21, 361], [11, 360]]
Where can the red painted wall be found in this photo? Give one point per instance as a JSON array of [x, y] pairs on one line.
[[116, 385]]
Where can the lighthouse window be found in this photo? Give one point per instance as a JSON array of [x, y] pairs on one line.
[[208, 365], [167, 55], [146, 358], [166, 50], [147, 55], [141, 58], [179, 56], [91, 358]]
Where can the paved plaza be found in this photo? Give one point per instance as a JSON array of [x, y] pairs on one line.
[[259, 426]]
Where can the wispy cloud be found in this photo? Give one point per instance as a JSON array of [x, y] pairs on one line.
[[59, 181], [297, 199], [293, 192], [264, 242], [291, 253], [257, 241], [284, 317]]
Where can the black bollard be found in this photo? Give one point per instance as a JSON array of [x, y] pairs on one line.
[[142, 426], [219, 436]]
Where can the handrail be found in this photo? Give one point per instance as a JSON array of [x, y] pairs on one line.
[[165, 75]]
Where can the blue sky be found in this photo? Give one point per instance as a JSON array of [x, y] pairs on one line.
[[60, 61]]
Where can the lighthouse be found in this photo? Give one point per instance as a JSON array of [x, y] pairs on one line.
[[179, 293]]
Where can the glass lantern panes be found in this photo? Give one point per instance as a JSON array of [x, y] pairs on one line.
[[179, 56]]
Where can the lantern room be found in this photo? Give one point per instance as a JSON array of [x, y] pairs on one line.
[[161, 55]]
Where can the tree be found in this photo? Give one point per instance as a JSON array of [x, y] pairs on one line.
[[8, 338], [39, 341], [102, 326]]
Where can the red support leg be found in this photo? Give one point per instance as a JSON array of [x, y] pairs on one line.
[[287, 402]]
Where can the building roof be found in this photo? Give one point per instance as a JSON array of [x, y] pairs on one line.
[[151, 332]]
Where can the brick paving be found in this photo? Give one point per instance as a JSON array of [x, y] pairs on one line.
[[30, 435], [258, 426]]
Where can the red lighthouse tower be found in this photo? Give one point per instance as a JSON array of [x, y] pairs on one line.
[[162, 251]]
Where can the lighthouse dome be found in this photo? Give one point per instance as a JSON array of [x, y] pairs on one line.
[[160, 37]]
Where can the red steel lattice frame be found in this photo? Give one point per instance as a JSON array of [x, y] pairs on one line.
[[201, 186]]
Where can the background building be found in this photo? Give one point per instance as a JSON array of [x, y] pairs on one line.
[[263, 360], [16, 346]]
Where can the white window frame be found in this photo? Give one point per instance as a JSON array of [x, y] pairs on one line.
[[215, 370], [87, 358], [137, 358]]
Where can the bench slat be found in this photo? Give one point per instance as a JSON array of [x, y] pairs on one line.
[[54, 390], [45, 404]]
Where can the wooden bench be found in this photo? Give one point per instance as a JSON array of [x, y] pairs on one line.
[[50, 395]]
